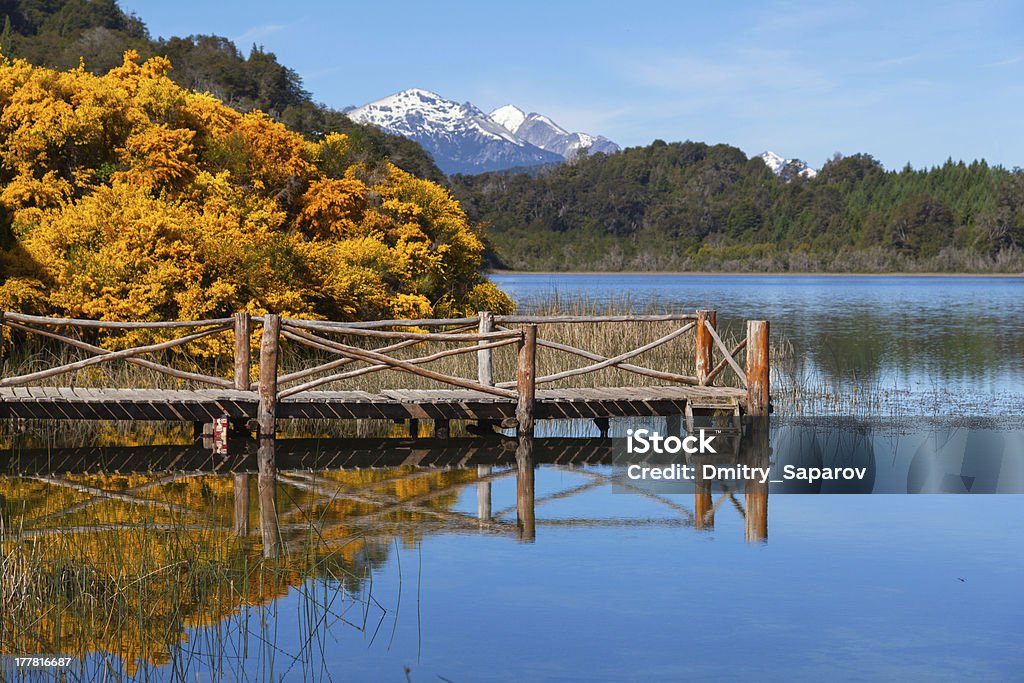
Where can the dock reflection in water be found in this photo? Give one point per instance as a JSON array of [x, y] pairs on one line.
[[169, 560], [123, 552]]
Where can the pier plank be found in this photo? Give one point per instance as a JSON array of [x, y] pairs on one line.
[[203, 405]]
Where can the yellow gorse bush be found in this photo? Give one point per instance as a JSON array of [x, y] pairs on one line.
[[127, 197]]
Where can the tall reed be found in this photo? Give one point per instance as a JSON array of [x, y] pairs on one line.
[[117, 584]]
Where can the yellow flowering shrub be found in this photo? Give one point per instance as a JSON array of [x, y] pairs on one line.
[[125, 196]]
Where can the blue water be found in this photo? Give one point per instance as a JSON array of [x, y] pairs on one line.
[[854, 587], [957, 341], [846, 587]]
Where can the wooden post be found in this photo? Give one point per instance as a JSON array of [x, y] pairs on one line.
[[526, 519], [483, 494], [241, 505], [268, 376], [267, 419], [484, 359], [755, 493], [414, 428], [526, 374], [243, 358], [266, 487], [758, 369], [705, 345], [703, 506], [758, 396], [674, 425], [220, 435], [755, 501], [485, 371]]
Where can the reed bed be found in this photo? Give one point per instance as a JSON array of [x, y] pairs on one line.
[[120, 586]]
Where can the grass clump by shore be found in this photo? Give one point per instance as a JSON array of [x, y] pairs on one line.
[[154, 573]]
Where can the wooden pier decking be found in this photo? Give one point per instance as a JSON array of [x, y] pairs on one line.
[[206, 405], [302, 394]]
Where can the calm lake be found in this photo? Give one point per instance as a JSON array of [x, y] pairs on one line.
[[931, 344], [401, 565]]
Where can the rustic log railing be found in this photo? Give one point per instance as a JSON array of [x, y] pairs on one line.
[[479, 335], [302, 332], [36, 325]]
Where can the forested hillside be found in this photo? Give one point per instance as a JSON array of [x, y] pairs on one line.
[[62, 34], [691, 206], [676, 206]]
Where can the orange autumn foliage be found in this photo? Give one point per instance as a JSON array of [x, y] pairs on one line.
[[125, 196]]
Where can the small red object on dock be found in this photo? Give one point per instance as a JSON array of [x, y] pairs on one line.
[[220, 436]]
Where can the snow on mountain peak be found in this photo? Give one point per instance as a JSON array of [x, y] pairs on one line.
[[460, 137], [463, 139], [781, 166], [545, 120], [416, 112], [510, 116], [541, 131], [773, 161]]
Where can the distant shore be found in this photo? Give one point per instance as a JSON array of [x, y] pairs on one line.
[[719, 273]]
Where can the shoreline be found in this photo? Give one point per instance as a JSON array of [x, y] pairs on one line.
[[719, 273]]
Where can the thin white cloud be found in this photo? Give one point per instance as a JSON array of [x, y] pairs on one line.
[[897, 61], [748, 70], [256, 33], [794, 17], [1007, 62]]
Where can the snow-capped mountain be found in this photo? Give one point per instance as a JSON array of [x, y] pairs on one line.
[[787, 169], [541, 131], [460, 137], [463, 139], [510, 116]]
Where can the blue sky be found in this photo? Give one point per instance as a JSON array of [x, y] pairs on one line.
[[904, 81]]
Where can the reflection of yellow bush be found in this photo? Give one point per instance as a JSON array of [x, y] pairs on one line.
[[136, 199], [129, 579]]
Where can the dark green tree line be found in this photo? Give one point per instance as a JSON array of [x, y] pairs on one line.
[[691, 205]]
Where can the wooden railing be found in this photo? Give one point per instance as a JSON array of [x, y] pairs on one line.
[[481, 334], [48, 328], [601, 362]]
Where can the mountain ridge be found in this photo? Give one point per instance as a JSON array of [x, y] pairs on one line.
[[463, 139], [541, 131]]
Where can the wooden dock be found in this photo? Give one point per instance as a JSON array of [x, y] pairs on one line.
[[206, 405], [514, 403]]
